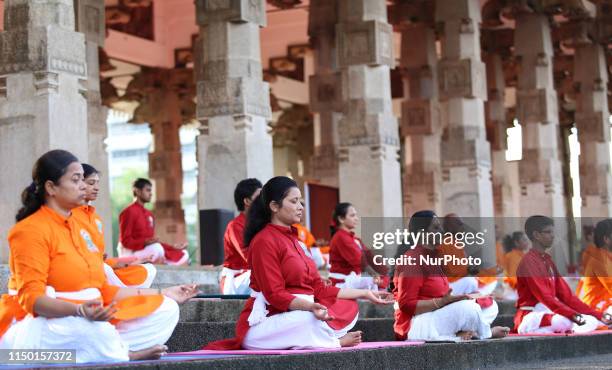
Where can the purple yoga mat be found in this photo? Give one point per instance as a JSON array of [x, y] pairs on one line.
[[365, 345], [596, 332]]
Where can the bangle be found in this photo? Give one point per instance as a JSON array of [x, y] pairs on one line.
[[80, 311], [435, 302]]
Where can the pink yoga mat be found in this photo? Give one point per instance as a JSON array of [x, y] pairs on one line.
[[596, 332], [365, 345]]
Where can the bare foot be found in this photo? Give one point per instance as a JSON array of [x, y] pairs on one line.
[[351, 339], [499, 331], [465, 334], [151, 353]]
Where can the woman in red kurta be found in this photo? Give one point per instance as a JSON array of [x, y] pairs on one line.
[[425, 308], [59, 297], [134, 273], [290, 306], [349, 257]]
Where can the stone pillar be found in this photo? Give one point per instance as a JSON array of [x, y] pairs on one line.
[[592, 121], [90, 21], [233, 103], [369, 172], [325, 90], [496, 122], [466, 156], [43, 80], [166, 102], [420, 124], [540, 170]]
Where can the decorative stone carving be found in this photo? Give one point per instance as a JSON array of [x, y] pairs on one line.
[[210, 11], [464, 78], [368, 42]]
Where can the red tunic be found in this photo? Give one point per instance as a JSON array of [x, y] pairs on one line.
[[539, 281], [414, 283], [136, 225], [235, 254], [348, 253], [280, 269]]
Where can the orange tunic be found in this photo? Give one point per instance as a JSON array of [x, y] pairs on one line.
[[512, 260], [131, 275], [305, 236], [453, 272], [597, 280], [47, 249], [590, 251]]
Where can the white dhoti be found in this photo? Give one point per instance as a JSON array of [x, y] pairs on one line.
[[294, 330], [354, 281], [446, 322], [93, 341], [558, 323], [113, 279], [235, 281]]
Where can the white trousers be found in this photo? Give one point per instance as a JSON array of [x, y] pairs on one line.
[[444, 323], [113, 279], [294, 330], [153, 251], [559, 324], [94, 341], [469, 284], [235, 284]]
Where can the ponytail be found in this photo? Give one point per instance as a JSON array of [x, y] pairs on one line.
[[259, 214], [51, 166]]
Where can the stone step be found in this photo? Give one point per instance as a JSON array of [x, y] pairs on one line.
[[515, 353], [189, 336], [201, 310]]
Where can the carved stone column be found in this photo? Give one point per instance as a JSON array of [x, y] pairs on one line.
[[421, 128], [166, 102], [233, 103], [368, 132], [466, 155], [592, 121], [90, 21], [540, 169], [43, 80], [325, 90]]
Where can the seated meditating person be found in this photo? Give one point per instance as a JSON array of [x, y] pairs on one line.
[[290, 306], [459, 275], [589, 251], [235, 276], [425, 308], [137, 231], [545, 302], [597, 280], [134, 273], [59, 297], [349, 256], [516, 246]]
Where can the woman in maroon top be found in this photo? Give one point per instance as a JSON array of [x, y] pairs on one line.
[[349, 257], [425, 308], [290, 306]]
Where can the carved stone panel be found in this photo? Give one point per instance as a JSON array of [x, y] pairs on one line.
[[325, 94], [90, 20], [593, 128], [531, 106], [419, 117], [234, 96], [368, 42], [210, 11], [465, 78]]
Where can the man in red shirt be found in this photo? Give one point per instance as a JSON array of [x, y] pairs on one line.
[[545, 302], [137, 231], [236, 276]]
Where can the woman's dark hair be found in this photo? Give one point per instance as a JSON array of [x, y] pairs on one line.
[[603, 228], [511, 241], [421, 220], [259, 214], [245, 189], [89, 170], [51, 166], [339, 212]]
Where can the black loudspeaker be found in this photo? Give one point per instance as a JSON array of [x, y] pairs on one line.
[[212, 228]]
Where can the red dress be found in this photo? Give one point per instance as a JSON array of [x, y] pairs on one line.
[[348, 253], [414, 283], [235, 254], [136, 225], [280, 269], [539, 281]]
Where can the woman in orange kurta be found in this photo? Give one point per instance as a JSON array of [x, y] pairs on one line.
[[516, 246], [57, 274], [597, 280], [134, 273]]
